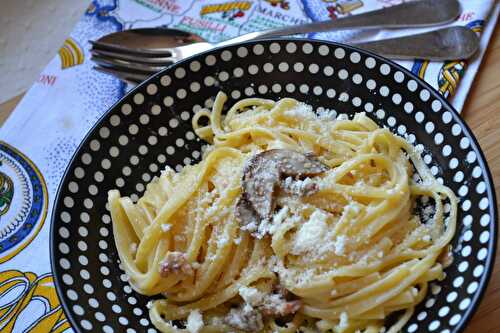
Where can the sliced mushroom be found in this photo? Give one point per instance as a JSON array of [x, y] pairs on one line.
[[260, 179], [262, 175], [246, 214], [292, 163]]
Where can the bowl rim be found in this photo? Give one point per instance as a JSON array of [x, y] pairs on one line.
[[482, 162]]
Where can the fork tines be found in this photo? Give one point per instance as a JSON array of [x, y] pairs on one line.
[[131, 65]]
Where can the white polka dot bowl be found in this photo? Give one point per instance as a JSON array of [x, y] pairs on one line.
[[151, 127]]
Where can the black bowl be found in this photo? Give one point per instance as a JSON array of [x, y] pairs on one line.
[[151, 127]]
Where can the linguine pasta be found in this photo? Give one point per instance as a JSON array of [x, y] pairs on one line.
[[291, 222]]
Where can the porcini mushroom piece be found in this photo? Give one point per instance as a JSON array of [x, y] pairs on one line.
[[260, 177], [292, 163], [262, 174], [246, 214]]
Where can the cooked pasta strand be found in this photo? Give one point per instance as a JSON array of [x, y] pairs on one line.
[[340, 251]]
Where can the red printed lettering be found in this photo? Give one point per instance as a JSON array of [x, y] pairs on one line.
[[466, 16], [47, 80], [167, 5], [199, 23], [277, 15]]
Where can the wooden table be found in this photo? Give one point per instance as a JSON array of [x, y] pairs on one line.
[[482, 114]]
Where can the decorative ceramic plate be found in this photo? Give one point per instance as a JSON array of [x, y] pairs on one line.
[[151, 127]]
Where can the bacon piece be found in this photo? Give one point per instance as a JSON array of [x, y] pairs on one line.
[[245, 318], [175, 263], [281, 309]]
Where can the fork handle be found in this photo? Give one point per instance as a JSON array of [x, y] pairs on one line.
[[411, 14]]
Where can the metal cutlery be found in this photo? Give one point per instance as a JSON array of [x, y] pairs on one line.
[[134, 55], [442, 44]]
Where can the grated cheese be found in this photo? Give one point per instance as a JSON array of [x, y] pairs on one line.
[[278, 219], [344, 320], [245, 318], [212, 210], [263, 229], [311, 234], [275, 303], [168, 172], [298, 187], [251, 227], [166, 227], [223, 240], [301, 110], [427, 213], [251, 296], [342, 116], [194, 321], [270, 303], [340, 242], [353, 207], [326, 114], [280, 216], [133, 248]]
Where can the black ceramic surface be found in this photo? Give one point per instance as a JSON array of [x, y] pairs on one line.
[[151, 127]]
